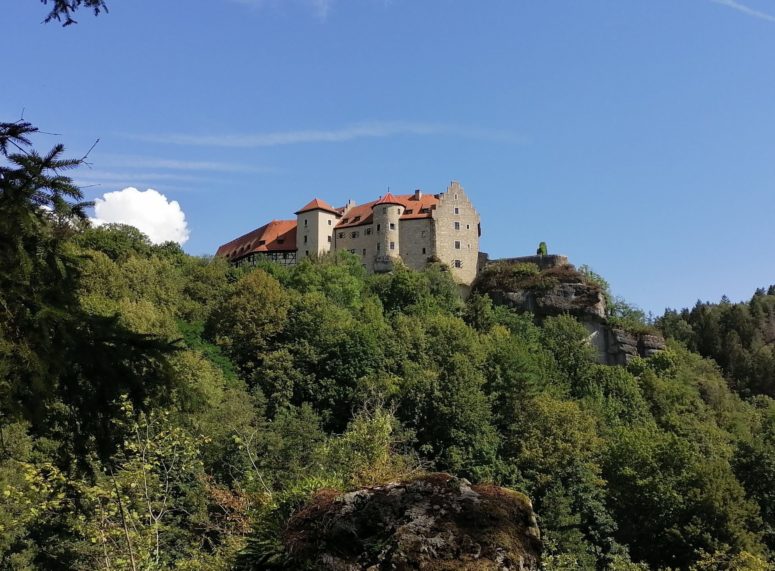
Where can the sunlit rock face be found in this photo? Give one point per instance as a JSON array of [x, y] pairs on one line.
[[433, 522]]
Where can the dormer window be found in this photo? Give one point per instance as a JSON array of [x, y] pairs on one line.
[[261, 242], [408, 211], [281, 240], [345, 220], [356, 219]]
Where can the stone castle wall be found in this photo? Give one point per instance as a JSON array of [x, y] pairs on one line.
[[456, 233], [314, 233], [416, 238]]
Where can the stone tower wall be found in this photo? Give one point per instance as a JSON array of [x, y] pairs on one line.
[[314, 233], [456, 233]]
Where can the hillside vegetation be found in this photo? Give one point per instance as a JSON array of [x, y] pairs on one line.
[[162, 411]]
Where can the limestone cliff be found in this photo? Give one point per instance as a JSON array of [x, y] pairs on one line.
[[433, 522]]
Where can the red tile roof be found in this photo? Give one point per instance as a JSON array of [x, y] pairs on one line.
[[277, 236], [317, 204], [388, 199], [414, 208]]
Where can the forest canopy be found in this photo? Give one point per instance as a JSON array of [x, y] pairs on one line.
[[161, 410]]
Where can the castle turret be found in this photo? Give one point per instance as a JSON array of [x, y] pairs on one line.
[[315, 228], [387, 212]]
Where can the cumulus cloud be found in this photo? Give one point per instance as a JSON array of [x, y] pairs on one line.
[[149, 211]]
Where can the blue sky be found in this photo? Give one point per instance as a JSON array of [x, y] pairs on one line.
[[634, 136]]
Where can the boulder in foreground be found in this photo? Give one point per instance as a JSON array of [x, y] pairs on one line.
[[433, 522]]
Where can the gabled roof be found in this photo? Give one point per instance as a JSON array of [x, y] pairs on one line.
[[277, 236], [414, 207], [318, 204]]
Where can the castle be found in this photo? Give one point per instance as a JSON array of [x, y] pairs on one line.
[[414, 228]]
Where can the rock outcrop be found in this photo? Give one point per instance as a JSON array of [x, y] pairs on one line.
[[617, 347], [433, 522], [557, 288], [578, 299]]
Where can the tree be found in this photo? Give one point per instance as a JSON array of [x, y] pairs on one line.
[[247, 321], [542, 249], [62, 10]]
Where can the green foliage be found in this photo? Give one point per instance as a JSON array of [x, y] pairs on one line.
[[740, 337], [542, 249], [166, 411]]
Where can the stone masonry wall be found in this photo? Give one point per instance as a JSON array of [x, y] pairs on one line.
[[416, 237], [456, 233], [316, 227], [361, 240]]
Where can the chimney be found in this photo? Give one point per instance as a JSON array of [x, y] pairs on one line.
[[417, 194]]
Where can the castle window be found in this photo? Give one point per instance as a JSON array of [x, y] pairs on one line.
[[457, 244], [353, 234], [306, 252], [456, 197], [468, 226], [305, 223], [392, 226], [422, 233], [377, 246], [458, 264], [329, 222], [457, 210], [341, 234], [457, 225], [384, 209], [368, 231], [364, 251], [377, 227], [392, 245], [352, 251], [423, 250], [305, 239], [329, 239]]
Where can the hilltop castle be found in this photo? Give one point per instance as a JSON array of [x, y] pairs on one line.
[[413, 228]]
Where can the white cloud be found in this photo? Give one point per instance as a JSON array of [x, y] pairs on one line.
[[378, 129], [149, 211], [747, 10], [138, 161]]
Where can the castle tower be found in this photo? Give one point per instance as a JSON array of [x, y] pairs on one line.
[[315, 228], [387, 213]]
